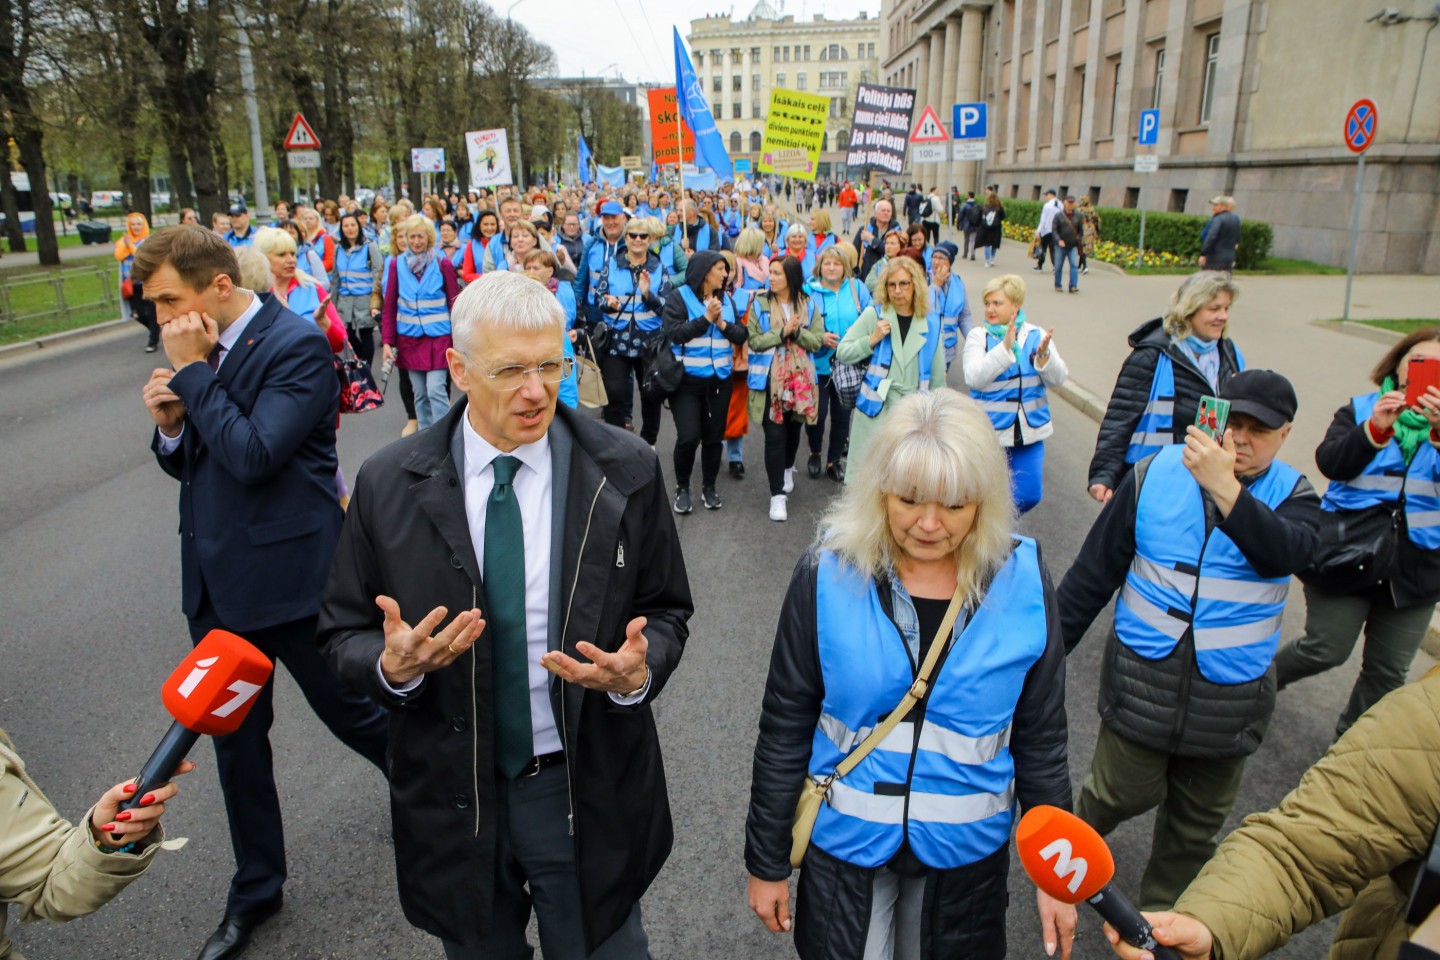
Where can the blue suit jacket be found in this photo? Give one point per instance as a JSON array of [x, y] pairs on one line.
[[259, 516]]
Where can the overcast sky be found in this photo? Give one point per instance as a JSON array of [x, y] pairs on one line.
[[635, 37]]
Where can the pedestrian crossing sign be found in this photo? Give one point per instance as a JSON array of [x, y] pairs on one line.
[[301, 135], [929, 129]]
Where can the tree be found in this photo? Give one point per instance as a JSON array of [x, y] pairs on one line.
[[20, 23]]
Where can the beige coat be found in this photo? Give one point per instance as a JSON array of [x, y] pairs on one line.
[[50, 868], [1351, 835], [811, 337]]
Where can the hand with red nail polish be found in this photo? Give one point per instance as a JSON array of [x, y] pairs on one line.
[[115, 827]]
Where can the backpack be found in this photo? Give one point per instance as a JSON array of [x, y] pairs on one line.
[[663, 369]]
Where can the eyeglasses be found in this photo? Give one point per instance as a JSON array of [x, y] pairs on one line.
[[899, 284], [638, 236], [513, 377]]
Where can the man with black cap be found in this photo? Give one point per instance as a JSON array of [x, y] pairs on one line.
[[240, 234], [1201, 541]]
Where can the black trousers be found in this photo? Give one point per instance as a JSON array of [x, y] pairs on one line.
[[972, 243], [839, 416], [142, 311], [363, 342], [245, 762], [407, 393], [616, 371], [932, 231], [1046, 247], [699, 407], [782, 440]]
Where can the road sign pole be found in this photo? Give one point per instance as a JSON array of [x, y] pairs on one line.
[[1140, 258], [1354, 231]]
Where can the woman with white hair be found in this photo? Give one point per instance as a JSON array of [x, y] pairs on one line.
[[420, 289], [798, 245], [916, 563], [297, 290]]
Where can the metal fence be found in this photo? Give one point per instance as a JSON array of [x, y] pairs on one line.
[[61, 294]]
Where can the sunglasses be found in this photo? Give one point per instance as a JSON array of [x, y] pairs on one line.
[[638, 236]]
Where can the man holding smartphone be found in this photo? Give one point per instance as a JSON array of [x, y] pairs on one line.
[[1201, 540]]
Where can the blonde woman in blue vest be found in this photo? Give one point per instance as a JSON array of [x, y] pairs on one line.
[[898, 338], [842, 298], [1009, 362], [420, 289], [910, 851], [786, 328]]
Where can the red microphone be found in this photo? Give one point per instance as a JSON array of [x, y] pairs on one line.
[[1067, 859], [210, 692]]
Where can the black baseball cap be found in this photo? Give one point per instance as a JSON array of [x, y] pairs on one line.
[[1262, 394]]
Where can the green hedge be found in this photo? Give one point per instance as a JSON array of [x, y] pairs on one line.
[[1177, 233]]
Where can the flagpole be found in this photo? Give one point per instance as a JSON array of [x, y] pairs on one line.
[[679, 145]]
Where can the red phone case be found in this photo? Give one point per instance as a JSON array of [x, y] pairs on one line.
[[1422, 373]]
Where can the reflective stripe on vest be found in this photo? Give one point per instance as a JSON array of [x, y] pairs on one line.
[[353, 266], [420, 308], [621, 284], [869, 401], [949, 786], [1018, 387], [758, 377], [1179, 579], [710, 354], [1156, 428], [1386, 477]]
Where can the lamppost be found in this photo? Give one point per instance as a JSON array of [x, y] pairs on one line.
[[515, 104]]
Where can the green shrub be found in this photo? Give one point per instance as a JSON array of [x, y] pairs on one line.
[[1176, 233]]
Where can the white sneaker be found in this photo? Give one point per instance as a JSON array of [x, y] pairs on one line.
[[778, 509], [789, 485]]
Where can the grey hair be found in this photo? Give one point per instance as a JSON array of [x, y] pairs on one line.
[[1197, 291], [254, 269], [933, 446], [797, 230], [502, 301]]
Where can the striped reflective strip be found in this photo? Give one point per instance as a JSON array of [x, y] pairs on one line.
[[1422, 518], [997, 386], [1038, 403], [1149, 570], [924, 807], [1373, 481], [1417, 488], [1243, 591], [839, 734], [996, 406], [1240, 635], [355, 274], [961, 748], [869, 807], [416, 305], [1150, 439], [1161, 408], [1152, 616]]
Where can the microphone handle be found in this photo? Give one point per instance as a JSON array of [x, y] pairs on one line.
[[1132, 926], [162, 763]]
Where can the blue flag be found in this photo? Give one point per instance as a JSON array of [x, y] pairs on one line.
[[654, 173], [582, 157], [709, 146], [609, 176]]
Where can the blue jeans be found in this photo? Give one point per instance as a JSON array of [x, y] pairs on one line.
[[432, 395], [1027, 467], [735, 450], [1062, 255]]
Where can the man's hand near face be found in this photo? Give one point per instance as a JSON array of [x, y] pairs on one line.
[[189, 338]]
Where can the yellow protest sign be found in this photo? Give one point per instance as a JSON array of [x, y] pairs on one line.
[[796, 121]]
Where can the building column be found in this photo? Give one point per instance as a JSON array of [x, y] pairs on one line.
[[1132, 60], [1097, 62], [1012, 117], [966, 174], [930, 172], [1225, 111], [1063, 77], [946, 176]]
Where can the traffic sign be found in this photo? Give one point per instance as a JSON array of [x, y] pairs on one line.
[[1362, 125], [929, 153], [969, 150], [301, 135], [1149, 127], [1146, 163], [969, 121], [929, 129], [303, 159]]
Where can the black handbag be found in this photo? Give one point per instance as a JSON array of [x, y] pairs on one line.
[[1357, 548], [663, 369]]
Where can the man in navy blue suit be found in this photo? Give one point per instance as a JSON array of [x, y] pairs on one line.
[[246, 422]]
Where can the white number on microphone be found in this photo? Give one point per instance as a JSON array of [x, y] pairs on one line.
[[1066, 862], [243, 692], [201, 668]]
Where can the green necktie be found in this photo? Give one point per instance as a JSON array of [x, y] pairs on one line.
[[505, 593]]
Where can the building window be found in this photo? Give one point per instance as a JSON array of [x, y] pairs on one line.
[[755, 110], [1094, 196], [715, 84], [1114, 95], [737, 83], [754, 83], [735, 111], [807, 51], [736, 142], [756, 141], [735, 56], [1177, 200], [785, 51], [800, 81], [834, 52], [842, 140], [825, 141], [1212, 62], [699, 58], [1035, 192], [869, 51], [1132, 198], [837, 107], [1159, 78], [776, 55], [780, 80], [755, 54]]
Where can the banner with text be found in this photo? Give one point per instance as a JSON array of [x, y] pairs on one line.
[[796, 121], [489, 158], [880, 130], [666, 128]]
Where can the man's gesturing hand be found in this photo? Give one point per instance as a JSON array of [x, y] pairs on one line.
[[189, 339], [166, 408], [411, 652], [622, 672]]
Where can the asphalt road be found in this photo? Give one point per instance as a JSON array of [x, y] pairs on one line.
[[89, 592]]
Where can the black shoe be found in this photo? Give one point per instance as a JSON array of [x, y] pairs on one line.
[[836, 471], [813, 467], [710, 498], [1039, 268], [682, 500], [737, 469], [233, 935]]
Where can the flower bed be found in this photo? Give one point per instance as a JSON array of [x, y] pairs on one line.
[[1119, 254]]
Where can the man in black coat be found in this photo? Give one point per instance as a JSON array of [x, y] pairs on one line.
[[1222, 236], [517, 540]]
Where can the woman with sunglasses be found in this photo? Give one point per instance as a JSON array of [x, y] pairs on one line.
[[631, 294]]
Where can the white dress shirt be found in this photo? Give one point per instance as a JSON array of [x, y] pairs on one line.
[[228, 338]]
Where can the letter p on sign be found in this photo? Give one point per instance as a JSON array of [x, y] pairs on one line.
[[1149, 127], [968, 121]]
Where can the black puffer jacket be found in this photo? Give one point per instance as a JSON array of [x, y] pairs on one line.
[[1132, 392], [1167, 704], [793, 697]]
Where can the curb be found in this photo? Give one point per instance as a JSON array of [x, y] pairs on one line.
[[1362, 330], [55, 339], [1093, 407]]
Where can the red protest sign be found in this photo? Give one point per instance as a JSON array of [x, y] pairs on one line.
[[666, 128]]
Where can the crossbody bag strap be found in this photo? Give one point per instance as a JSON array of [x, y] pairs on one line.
[[914, 695]]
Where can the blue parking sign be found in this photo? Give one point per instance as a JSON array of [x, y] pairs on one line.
[[968, 121], [1149, 127]]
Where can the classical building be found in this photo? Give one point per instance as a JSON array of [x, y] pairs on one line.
[[740, 61], [1252, 94]]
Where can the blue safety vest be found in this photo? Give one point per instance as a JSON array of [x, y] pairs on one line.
[[702, 236], [597, 259], [710, 354], [621, 284], [949, 302], [823, 245], [1185, 578], [1018, 387], [477, 252], [948, 787], [732, 219], [421, 310], [666, 253], [304, 300], [1156, 429], [1387, 479], [565, 293], [353, 269], [235, 240], [841, 308], [869, 401], [758, 377]]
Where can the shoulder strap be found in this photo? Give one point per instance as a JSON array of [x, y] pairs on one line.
[[914, 695]]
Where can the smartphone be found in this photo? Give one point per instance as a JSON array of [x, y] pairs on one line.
[[1212, 416], [1421, 374]]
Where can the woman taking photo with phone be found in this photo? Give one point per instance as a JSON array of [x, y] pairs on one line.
[[1381, 457], [1174, 361], [915, 564]]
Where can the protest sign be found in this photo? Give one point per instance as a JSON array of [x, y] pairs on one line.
[[489, 158], [796, 121], [880, 130], [664, 129]]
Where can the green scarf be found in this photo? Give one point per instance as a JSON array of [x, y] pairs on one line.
[[1411, 430], [997, 330]]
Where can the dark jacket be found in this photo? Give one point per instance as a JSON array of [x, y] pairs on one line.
[[913, 203], [615, 555], [676, 316], [969, 216], [256, 465], [1222, 236], [991, 233], [1132, 392], [1343, 455], [1066, 228], [793, 695], [872, 251], [1166, 704]]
